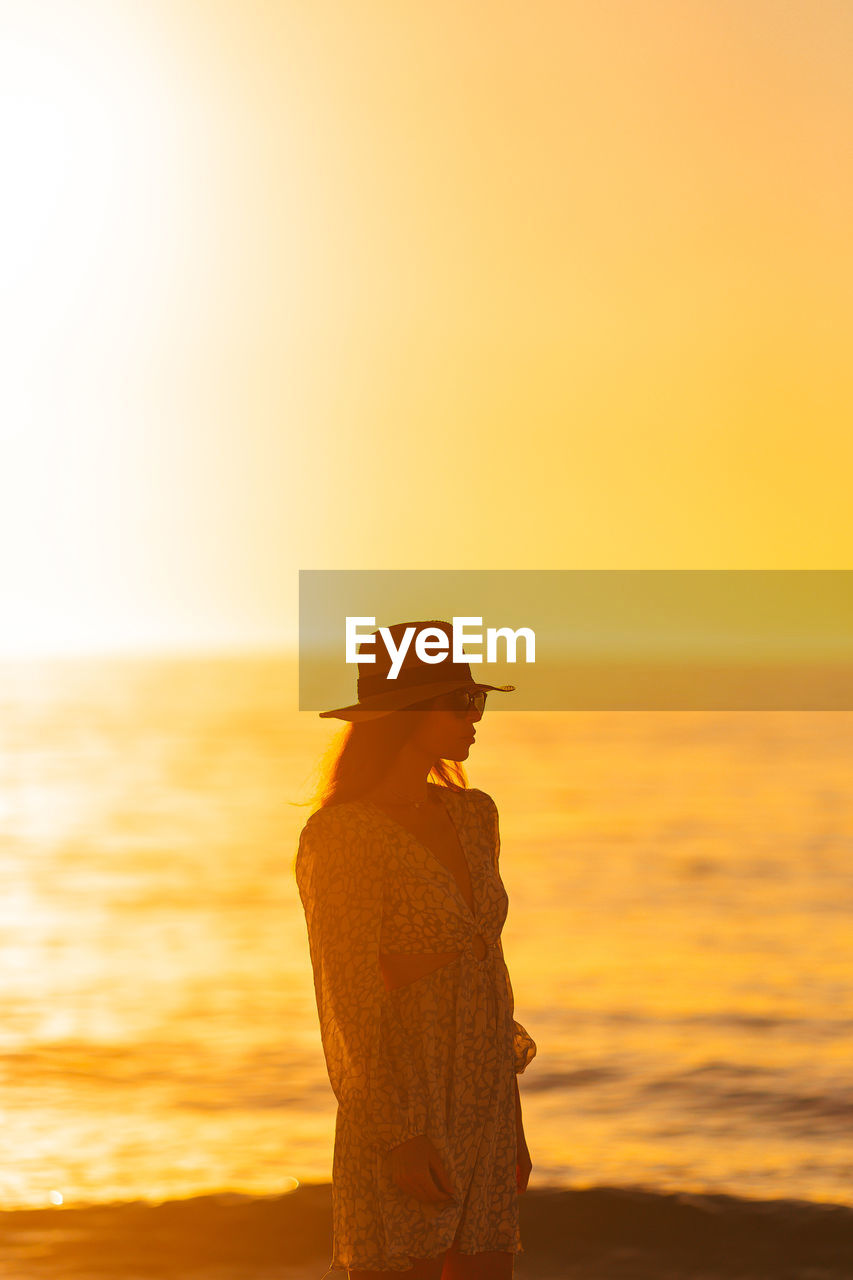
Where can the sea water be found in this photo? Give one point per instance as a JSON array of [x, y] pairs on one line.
[[678, 937]]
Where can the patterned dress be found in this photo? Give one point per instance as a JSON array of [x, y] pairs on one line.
[[436, 1056]]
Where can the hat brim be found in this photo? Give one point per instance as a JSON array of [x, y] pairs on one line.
[[383, 704]]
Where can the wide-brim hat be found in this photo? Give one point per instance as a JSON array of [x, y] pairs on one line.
[[379, 694]]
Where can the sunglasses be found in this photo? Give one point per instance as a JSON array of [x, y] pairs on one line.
[[458, 700]]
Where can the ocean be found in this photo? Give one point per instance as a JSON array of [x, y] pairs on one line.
[[678, 937]]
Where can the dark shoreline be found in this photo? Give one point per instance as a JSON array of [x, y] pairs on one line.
[[597, 1233]]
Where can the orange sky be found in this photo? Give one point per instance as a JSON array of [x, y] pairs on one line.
[[553, 285]]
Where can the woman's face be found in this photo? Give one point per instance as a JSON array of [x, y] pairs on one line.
[[445, 735]]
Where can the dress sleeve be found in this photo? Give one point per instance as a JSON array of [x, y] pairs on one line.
[[524, 1046], [340, 885]]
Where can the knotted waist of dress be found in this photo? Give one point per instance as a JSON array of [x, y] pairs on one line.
[[399, 968]]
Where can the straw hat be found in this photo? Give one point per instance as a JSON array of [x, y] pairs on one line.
[[379, 695]]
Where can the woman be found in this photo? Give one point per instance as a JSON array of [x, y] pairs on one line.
[[404, 904]]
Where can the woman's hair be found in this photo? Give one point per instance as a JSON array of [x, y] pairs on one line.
[[360, 756]]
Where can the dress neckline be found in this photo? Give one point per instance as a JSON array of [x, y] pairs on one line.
[[420, 844]]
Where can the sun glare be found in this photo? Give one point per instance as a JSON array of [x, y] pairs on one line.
[[94, 140], [79, 130]]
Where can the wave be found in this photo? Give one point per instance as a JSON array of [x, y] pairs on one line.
[[721, 1088]]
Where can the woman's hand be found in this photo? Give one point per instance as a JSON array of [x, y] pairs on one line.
[[417, 1169]]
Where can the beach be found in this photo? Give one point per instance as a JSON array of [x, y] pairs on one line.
[[597, 1233]]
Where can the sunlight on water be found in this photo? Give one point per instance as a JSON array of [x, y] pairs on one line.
[[680, 893]]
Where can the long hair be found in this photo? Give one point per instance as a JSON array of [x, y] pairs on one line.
[[361, 754]]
